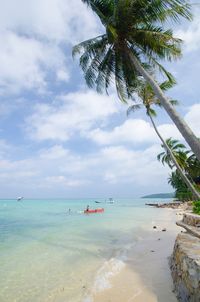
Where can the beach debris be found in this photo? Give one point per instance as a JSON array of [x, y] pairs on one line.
[[164, 230], [172, 205]]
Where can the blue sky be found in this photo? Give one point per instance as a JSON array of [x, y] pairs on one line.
[[57, 137]]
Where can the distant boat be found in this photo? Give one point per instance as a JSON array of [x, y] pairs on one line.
[[110, 200], [97, 201], [20, 198]]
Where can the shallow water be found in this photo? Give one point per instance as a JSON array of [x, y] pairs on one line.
[[49, 254]]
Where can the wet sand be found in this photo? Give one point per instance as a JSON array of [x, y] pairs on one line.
[[146, 274]]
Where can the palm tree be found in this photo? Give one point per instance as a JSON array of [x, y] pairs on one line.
[[132, 40], [178, 150], [175, 153]]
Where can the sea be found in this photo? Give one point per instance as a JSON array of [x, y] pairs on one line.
[[50, 251]]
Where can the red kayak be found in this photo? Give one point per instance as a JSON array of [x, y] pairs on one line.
[[100, 210]]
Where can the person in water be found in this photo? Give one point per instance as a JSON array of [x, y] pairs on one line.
[[87, 209]]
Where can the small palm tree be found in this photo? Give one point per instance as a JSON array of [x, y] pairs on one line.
[[134, 38], [175, 154], [179, 151]]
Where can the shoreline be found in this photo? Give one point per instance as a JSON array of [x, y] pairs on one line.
[[176, 205], [144, 275]]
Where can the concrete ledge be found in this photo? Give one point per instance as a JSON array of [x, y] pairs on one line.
[[190, 229], [185, 267], [191, 219]]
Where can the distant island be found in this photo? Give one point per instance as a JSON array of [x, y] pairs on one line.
[[160, 195]]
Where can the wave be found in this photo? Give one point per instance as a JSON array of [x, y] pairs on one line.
[[103, 277], [109, 269]]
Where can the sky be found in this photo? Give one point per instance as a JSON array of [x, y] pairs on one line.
[[60, 139]]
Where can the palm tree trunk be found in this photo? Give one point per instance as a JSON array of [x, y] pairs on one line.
[[190, 186], [186, 132]]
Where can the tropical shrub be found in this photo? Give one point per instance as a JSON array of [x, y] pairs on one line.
[[181, 190], [196, 207]]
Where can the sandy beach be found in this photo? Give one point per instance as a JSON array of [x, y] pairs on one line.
[[145, 273]]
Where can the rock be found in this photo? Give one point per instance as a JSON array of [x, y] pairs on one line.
[[173, 205], [193, 230], [164, 230], [185, 267], [154, 227], [191, 219]]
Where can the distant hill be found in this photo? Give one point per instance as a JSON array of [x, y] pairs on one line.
[[160, 195]]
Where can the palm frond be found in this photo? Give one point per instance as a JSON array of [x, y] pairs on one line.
[[105, 69], [151, 112], [166, 85], [170, 9], [103, 9], [160, 155], [160, 45], [133, 108], [121, 86], [87, 44], [174, 102]]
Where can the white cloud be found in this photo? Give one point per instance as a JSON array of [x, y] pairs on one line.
[[134, 131], [42, 170], [191, 34], [63, 181], [72, 113], [61, 171], [62, 75], [116, 164], [169, 130], [54, 152], [88, 115], [4, 148], [33, 36], [127, 166], [58, 20], [25, 61], [193, 118]]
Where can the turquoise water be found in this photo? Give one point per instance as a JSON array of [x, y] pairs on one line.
[[49, 254]]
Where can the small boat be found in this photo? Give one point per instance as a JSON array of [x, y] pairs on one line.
[[20, 198], [91, 211], [110, 200], [97, 201]]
